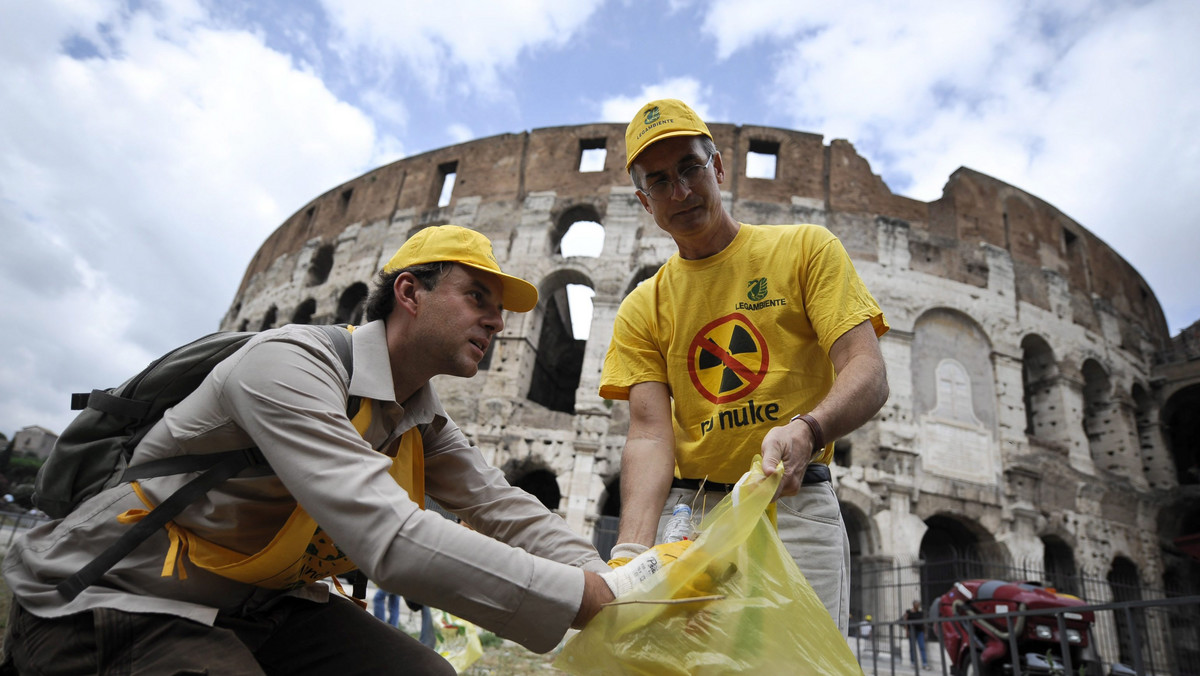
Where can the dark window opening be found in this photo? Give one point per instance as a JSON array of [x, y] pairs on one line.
[[444, 189], [559, 358], [1059, 566], [604, 536], [352, 305], [304, 312], [592, 154], [841, 452], [344, 202], [541, 484], [320, 265], [762, 159], [308, 217], [1181, 418], [268, 321], [1126, 586], [1069, 239]]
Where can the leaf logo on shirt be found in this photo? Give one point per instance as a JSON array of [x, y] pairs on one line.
[[758, 289]]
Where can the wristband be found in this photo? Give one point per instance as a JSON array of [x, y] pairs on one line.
[[815, 427]]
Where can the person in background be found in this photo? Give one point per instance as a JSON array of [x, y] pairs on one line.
[[392, 614], [916, 634], [750, 339]]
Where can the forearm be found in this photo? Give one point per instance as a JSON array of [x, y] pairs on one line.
[[647, 464], [647, 467], [858, 392]]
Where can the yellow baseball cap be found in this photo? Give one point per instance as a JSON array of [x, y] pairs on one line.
[[658, 120], [467, 247]]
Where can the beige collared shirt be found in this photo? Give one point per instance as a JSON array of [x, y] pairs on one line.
[[285, 392]]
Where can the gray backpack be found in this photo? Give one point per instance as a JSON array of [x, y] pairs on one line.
[[93, 452]]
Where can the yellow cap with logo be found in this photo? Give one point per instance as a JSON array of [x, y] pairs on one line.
[[658, 120], [461, 245]]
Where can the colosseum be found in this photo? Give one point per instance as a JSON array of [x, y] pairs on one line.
[[1042, 424]]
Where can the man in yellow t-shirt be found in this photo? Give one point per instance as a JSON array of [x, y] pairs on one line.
[[752, 339]]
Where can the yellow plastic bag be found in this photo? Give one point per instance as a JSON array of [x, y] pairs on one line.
[[458, 642], [770, 619]]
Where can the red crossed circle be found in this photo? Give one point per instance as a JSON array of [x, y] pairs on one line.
[[729, 357]]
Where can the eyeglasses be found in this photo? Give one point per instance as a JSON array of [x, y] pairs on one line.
[[662, 190]]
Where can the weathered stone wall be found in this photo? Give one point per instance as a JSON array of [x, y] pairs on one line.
[[992, 294]]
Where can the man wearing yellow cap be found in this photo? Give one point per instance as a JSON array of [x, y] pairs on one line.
[[751, 339], [232, 584]]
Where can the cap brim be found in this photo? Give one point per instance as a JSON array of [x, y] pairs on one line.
[[519, 295], [670, 134]]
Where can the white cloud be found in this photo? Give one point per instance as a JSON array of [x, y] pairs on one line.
[[140, 182], [686, 89], [454, 46], [460, 133], [1086, 105]]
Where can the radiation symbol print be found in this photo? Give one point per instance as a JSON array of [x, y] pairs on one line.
[[728, 359]]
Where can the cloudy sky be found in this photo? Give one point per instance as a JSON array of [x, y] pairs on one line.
[[148, 147]]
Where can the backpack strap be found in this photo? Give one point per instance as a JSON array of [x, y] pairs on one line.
[[230, 465], [216, 467]]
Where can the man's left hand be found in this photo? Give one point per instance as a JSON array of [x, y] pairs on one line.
[[791, 444]]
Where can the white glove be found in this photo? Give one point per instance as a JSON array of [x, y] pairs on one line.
[[624, 552], [622, 579]]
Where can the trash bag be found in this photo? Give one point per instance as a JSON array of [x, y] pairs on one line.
[[769, 618], [458, 642]]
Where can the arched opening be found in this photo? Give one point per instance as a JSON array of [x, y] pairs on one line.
[[1126, 586], [352, 304], [578, 232], [559, 359], [1058, 562], [953, 550], [541, 484], [1181, 427], [268, 321], [605, 534], [1039, 376], [1098, 411], [320, 266], [304, 312], [867, 579]]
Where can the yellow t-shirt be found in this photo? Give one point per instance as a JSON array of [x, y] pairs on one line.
[[741, 339]]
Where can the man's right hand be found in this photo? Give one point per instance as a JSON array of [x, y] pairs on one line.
[[623, 578]]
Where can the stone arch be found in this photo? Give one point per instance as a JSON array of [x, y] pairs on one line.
[[641, 275], [1181, 427], [956, 548], [1058, 564], [580, 215], [304, 312], [604, 535], [1099, 416], [537, 479], [558, 359], [352, 305], [269, 319], [1041, 381], [863, 539], [320, 265], [1124, 582]]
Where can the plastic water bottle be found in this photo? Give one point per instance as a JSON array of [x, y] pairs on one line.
[[679, 527]]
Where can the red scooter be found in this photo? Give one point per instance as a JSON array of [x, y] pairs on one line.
[[982, 646]]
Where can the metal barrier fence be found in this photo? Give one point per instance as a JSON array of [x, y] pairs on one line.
[[1158, 628], [883, 647]]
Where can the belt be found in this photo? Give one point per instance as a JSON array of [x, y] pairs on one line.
[[813, 474]]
